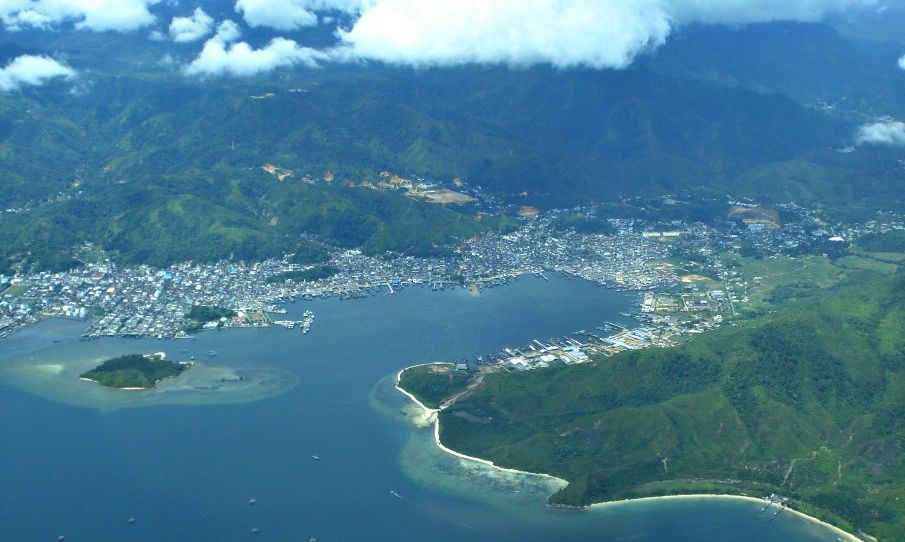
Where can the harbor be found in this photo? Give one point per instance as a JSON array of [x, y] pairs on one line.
[[632, 255]]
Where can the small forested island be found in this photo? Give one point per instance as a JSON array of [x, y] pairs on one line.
[[433, 384], [807, 402], [135, 371]]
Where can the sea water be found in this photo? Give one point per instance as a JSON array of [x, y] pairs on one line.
[[79, 461]]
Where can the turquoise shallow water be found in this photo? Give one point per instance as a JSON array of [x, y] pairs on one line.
[[79, 461]]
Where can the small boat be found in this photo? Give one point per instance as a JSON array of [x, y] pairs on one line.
[[316, 457], [131, 521], [393, 493], [252, 502]]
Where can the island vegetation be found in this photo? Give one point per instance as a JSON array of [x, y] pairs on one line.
[[434, 383], [807, 402], [134, 371]]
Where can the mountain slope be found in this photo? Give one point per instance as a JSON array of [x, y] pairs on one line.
[[807, 403], [678, 121]]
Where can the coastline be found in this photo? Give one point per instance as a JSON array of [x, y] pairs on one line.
[[844, 535], [432, 413]]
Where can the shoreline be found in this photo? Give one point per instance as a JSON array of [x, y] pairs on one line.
[[844, 535], [414, 399], [432, 413]]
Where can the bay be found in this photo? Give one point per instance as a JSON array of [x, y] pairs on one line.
[[79, 461]]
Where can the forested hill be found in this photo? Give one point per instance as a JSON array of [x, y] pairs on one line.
[[132, 140], [562, 137], [808, 402]]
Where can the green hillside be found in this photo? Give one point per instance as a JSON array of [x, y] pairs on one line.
[[116, 157], [245, 216], [807, 403]]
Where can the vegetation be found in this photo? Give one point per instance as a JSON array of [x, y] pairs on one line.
[[584, 224], [316, 272], [807, 402], [893, 241], [310, 253], [134, 371], [196, 216], [202, 314], [433, 384], [153, 168]]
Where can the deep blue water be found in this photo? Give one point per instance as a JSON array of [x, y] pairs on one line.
[[186, 472]]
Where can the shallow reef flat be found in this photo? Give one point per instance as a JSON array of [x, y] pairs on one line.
[[53, 371]]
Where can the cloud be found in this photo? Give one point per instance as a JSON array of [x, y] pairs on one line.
[[902, 62], [883, 132], [186, 29], [293, 14], [218, 58], [277, 14], [97, 15], [597, 33], [563, 33], [228, 31], [32, 70]]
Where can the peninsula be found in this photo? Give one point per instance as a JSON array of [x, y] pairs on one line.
[[134, 371], [805, 403]]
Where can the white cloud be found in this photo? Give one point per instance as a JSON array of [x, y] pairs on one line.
[[186, 29], [883, 132], [563, 33], [278, 14], [32, 70], [902, 62], [598, 33], [98, 15], [228, 31], [293, 14], [218, 58]]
